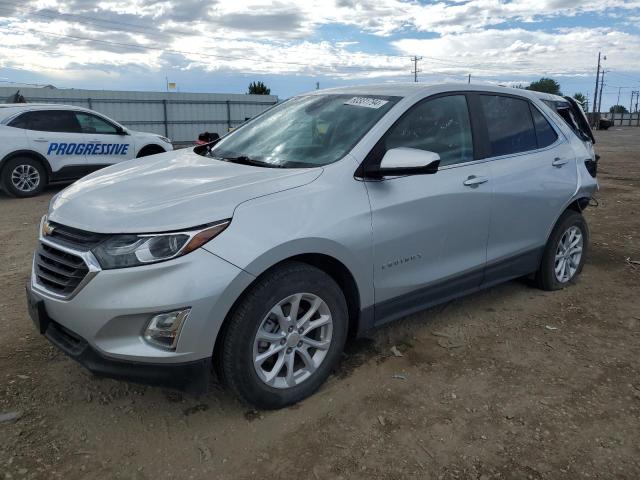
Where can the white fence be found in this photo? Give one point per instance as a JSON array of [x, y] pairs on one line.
[[179, 116]]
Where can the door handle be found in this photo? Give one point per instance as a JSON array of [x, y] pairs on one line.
[[94, 141], [558, 162], [473, 181], [40, 140]]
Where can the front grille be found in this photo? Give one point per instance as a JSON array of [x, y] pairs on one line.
[[75, 238], [59, 271]]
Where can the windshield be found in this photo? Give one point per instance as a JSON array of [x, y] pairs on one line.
[[308, 131]]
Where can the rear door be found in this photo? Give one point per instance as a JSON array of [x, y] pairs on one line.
[[56, 135], [106, 143], [429, 231], [534, 175]]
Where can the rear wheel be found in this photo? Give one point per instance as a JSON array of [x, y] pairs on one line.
[[23, 177], [285, 337], [564, 253]]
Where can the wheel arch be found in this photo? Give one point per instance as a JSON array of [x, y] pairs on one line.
[[330, 265], [154, 148], [577, 204], [30, 154]]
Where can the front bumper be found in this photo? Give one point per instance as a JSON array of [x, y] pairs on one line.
[[192, 377], [102, 326]]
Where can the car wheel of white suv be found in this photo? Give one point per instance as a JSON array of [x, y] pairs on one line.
[[285, 336], [565, 252], [23, 177]]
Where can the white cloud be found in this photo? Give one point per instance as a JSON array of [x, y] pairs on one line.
[[283, 37], [526, 52]]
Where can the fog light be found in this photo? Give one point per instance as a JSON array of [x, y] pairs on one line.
[[163, 330]]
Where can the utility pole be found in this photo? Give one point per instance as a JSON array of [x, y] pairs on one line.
[[595, 93], [317, 85], [634, 94], [600, 96], [586, 103], [415, 60], [469, 81], [618, 101]]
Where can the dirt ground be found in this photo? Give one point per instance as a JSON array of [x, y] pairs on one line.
[[510, 383]]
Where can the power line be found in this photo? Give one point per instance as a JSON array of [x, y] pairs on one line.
[[626, 75], [199, 54], [84, 19], [617, 86], [219, 56], [161, 49], [140, 29]]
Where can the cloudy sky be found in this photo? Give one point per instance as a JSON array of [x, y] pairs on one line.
[[222, 45]]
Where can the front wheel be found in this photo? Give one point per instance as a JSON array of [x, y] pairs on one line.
[[285, 336], [564, 253]]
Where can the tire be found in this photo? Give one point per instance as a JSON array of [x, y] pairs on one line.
[[23, 177], [150, 150], [240, 343], [546, 277]]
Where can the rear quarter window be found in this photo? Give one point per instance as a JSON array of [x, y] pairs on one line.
[[20, 121]]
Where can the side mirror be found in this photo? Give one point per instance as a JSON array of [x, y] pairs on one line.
[[405, 161], [121, 131]]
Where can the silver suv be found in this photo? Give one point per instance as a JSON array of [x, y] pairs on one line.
[[259, 254]]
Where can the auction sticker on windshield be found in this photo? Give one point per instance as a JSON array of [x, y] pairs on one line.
[[366, 102]]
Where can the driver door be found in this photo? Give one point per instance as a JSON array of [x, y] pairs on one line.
[[430, 231]]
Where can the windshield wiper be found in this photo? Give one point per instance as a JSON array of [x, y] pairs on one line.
[[245, 160]]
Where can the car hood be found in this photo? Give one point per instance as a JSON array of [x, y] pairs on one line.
[[167, 192]]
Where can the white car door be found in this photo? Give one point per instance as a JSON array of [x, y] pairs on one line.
[[55, 134], [107, 143]]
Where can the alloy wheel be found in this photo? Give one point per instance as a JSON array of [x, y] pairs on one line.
[[25, 178], [568, 254], [292, 340]]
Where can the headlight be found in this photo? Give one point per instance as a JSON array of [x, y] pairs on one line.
[[164, 139], [121, 251]]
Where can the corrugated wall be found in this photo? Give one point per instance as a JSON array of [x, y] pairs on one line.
[[180, 116]]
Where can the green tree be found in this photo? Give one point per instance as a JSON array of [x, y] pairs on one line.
[[618, 109], [258, 88], [546, 85], [582, 100]]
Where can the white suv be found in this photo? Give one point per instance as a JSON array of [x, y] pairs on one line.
[[41, 143]]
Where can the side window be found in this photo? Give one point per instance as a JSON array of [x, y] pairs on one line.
[[21, 121], [92, 124], [49, 121], [544, 131], [509, 124], [440, 125]]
